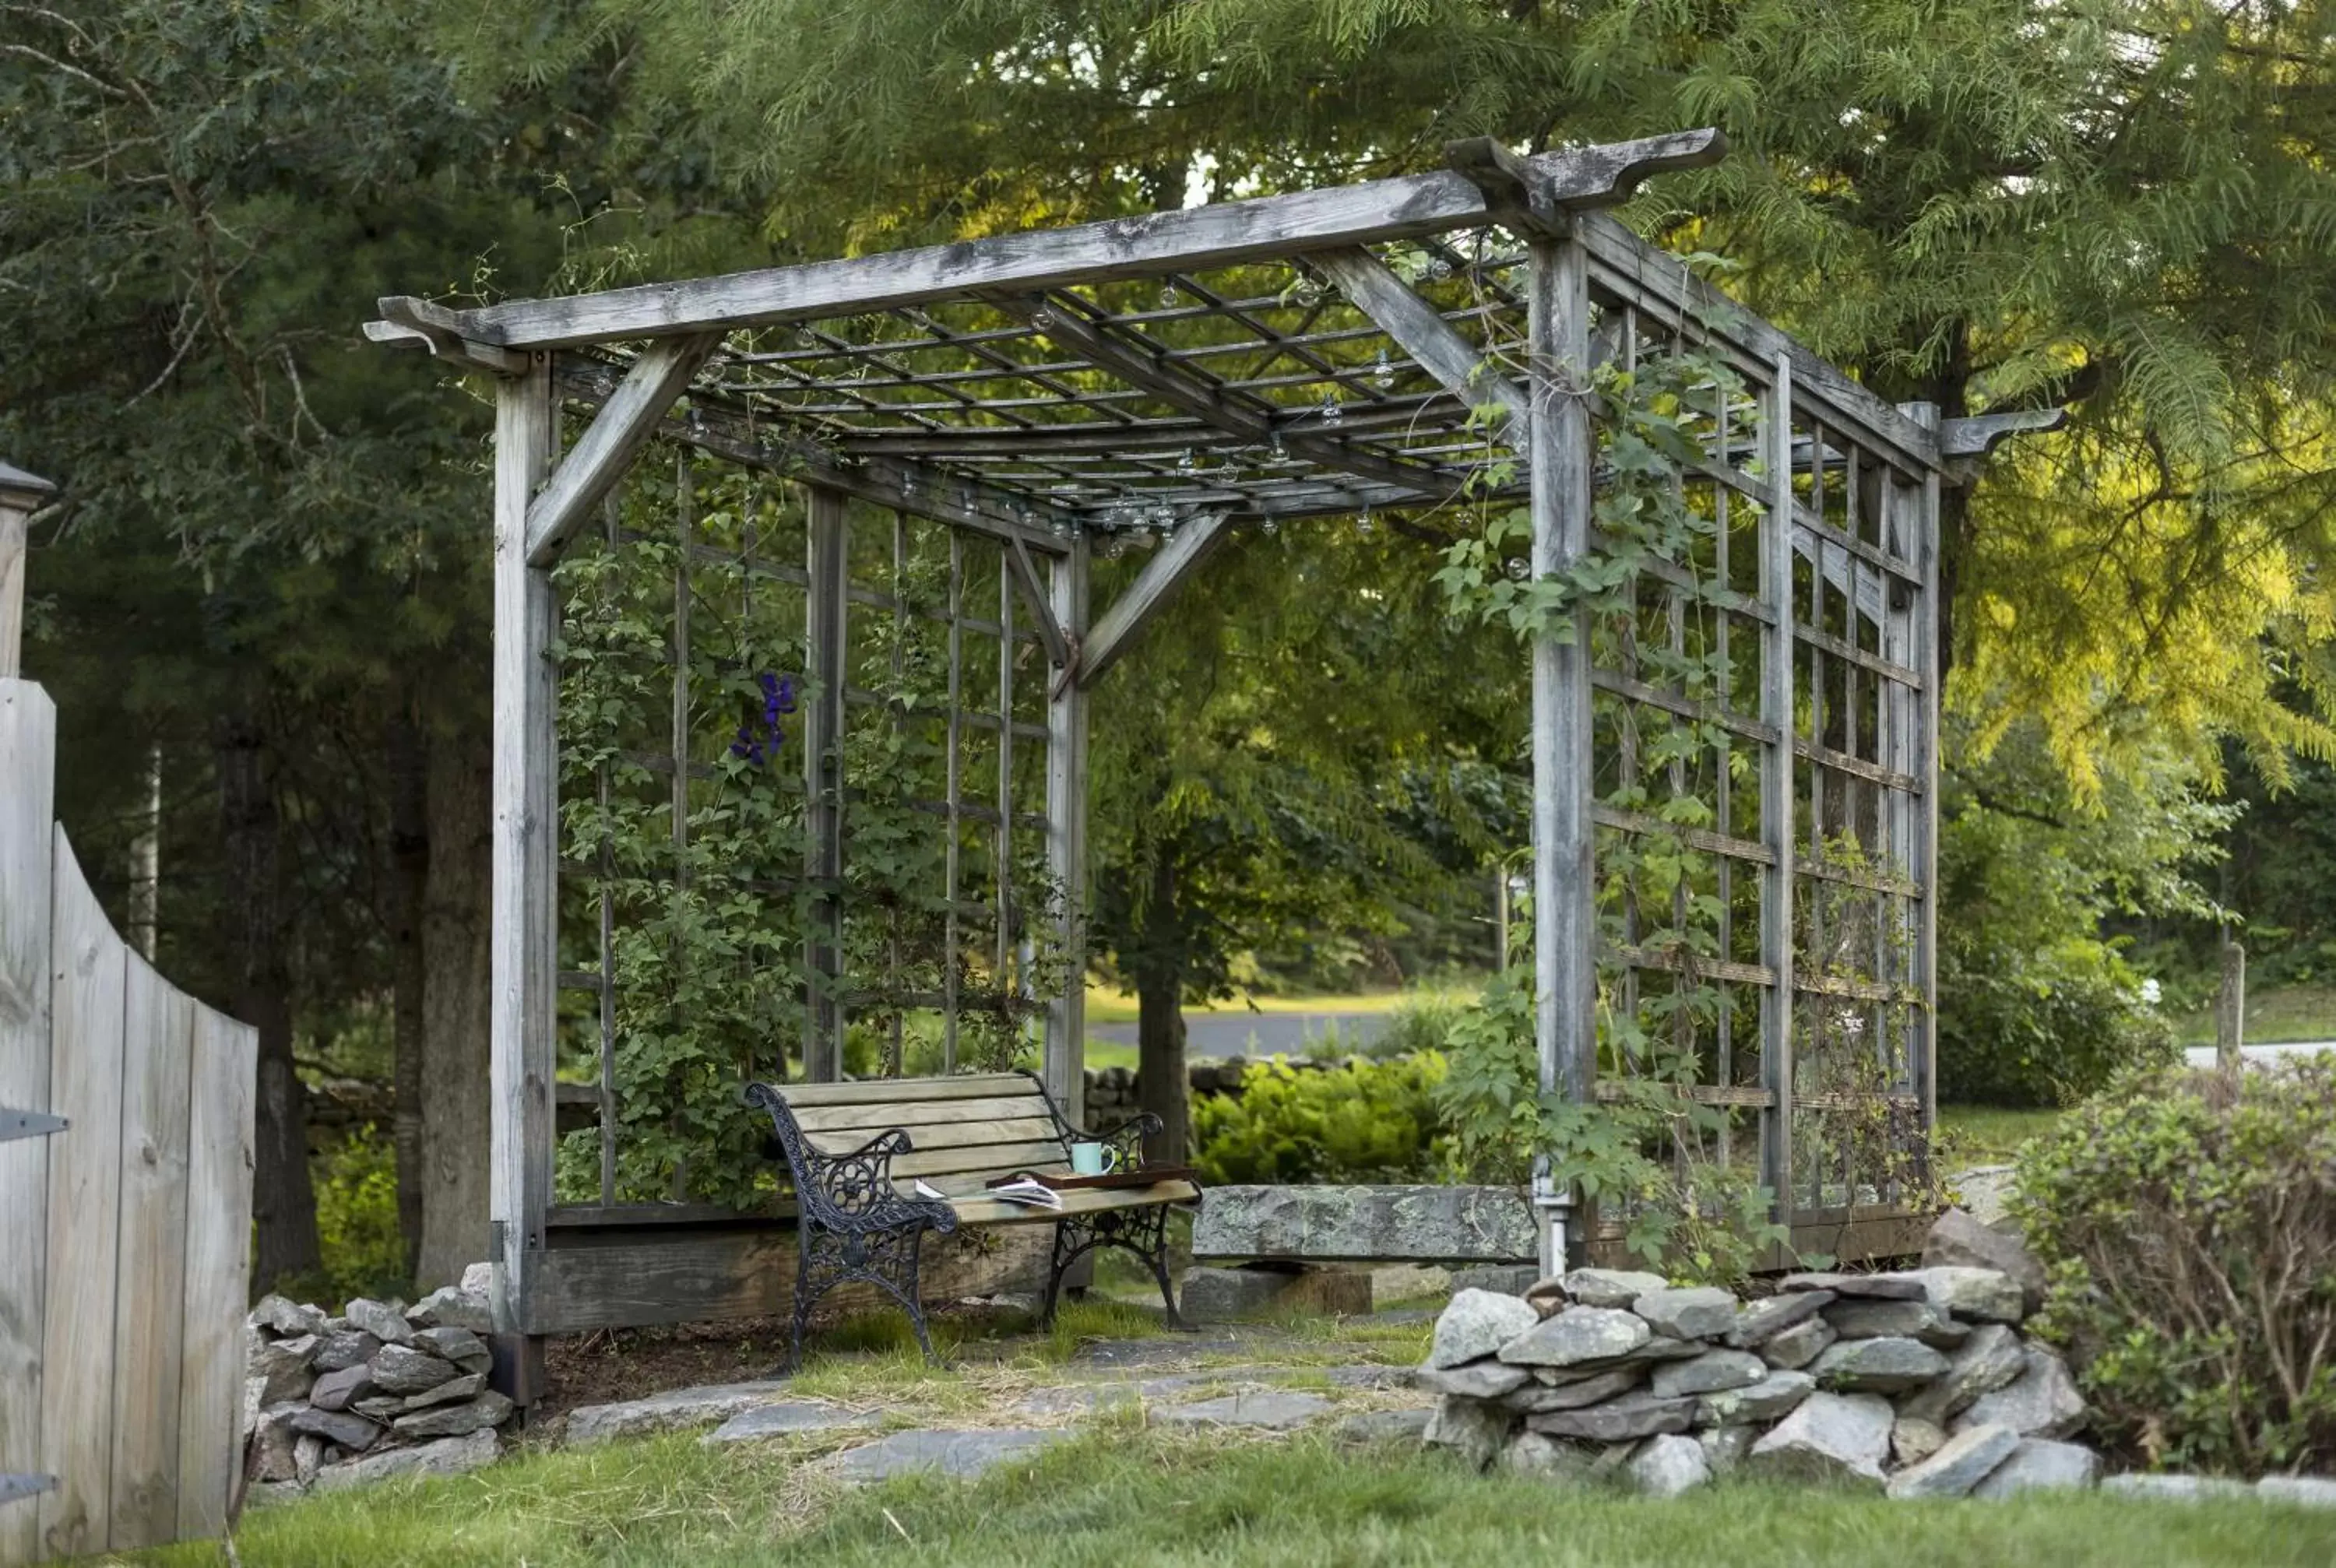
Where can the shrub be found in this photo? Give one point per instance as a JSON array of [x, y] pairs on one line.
[[357, 1224], [2190, 1232], [1359, 1122], [2019, 1029], [1421, 1024]]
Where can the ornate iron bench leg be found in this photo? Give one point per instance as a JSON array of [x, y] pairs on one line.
[[1143, 1232]]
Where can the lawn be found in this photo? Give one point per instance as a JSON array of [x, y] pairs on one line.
[[2276, 1015], [1122, 1494], [1989, 1134]]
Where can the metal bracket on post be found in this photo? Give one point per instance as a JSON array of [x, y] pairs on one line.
[[28, 1124], [13, 1488]]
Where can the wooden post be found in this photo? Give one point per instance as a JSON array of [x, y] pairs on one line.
[[826, 654], [20, 494], [2231, 1011], [28, 731], [1066, 841], [1558, 451], [523, 1016], [1777, 797], [1923, 868]]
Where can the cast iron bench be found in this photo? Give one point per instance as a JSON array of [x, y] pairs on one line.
[[857, 1149]]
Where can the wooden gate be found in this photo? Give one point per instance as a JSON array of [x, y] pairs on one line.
[[125, 1233]]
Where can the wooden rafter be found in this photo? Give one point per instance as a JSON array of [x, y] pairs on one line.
[[1204, 399]]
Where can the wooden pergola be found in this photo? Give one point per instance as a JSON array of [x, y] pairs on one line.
[[1395, 346]]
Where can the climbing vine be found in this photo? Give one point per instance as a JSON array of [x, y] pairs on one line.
[[709, 908], [1657, 1151]]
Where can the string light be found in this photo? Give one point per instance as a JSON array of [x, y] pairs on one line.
[[1382, 373]]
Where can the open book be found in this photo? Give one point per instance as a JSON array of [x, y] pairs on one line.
[[1025, 1190]]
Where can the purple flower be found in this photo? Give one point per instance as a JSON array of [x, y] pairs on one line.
[[765, 730]]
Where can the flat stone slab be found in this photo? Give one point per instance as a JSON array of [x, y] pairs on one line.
[[2303, 1490], [448, 1456], [2042, 1465], [2176, 1488], [699, 1407], [1214, 1295], [1393, 1224], [1273, 1409], [1576, 1335], [789, 1419], [1385, 1427], [1179, 1351], [1477, 1325], [961, 1454], [1961, 1463]]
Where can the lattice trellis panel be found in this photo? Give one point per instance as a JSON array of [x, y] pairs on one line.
[[702, 730]]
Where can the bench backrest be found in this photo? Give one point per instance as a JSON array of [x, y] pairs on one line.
[[967, 1129]]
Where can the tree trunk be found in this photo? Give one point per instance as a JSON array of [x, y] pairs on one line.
[[1162, 1082], [283, 1201], [409, 872], [456, 1098]]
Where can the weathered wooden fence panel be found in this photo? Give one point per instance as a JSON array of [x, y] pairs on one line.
[[127, 1234]]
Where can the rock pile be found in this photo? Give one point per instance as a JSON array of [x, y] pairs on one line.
[[1918, 1382], [382, 1389]]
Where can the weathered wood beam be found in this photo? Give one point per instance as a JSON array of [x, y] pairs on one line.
[[1035, 597], [1217, 235], [1661, 284], [1512, 194], [411, 322], [523, 1012], [1141, 367], [1375, 290], [1066, 843], [1117, 629], [624, 424], [1560, 451], [1979, 434], [904, 486]]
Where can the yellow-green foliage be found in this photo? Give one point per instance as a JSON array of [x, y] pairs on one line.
[[1359, 1122]]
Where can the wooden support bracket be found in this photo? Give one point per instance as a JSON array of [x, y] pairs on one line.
[[661, 375], [1423, 333], [1060, 653], [1117, 629]]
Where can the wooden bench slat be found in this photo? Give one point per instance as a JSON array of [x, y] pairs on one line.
[[905, 1091], [824, 1122], [996, 1158], [958, 1136], [980, 1211]]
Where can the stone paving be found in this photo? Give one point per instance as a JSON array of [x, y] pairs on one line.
[[1259, 1378]]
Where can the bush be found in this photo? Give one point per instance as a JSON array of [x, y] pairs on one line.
[[357, 1222], [2045, 1030], [1359, 1122], [2191, 1239]]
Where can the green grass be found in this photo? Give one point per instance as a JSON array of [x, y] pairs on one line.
[[2276, 1015], [1122, 1495], [1989, 1134]]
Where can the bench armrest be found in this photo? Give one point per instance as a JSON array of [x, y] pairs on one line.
[[1127, 1137], [852, 1191]]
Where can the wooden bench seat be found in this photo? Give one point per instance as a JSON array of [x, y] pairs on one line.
[[858, 1150]]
